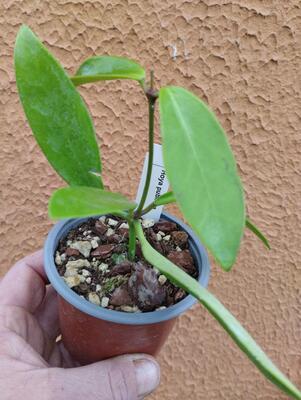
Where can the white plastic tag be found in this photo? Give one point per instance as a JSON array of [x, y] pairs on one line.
[[158, 185]]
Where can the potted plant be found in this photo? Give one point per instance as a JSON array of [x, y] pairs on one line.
[[103, 244]]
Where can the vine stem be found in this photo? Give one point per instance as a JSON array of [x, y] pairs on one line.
[[132, 240], [148, 208], [240, 336], [151, 97]]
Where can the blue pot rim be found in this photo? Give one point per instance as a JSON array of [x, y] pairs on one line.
[[60, 229]]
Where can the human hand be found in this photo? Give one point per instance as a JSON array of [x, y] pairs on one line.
[[34, 366]]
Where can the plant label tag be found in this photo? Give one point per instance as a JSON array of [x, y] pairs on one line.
[[158, 184]]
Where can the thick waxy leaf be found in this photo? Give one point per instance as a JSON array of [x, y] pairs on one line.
[[240, 336], [202, 171], [258, 233], [73, 202], [166, 198], [56, 113], [101, 68]]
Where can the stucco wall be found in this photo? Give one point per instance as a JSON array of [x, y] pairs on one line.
[[243, 58]]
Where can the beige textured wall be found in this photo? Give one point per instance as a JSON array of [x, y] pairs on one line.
[[243, 58]]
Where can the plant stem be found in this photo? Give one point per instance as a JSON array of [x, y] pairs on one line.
[[240, 336], [151, 97], [132, 240], [150, 207], [166, 198]]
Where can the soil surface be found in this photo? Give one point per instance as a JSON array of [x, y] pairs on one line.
[[92, 259]]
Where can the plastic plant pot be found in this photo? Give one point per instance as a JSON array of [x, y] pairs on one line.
[[92, 333]]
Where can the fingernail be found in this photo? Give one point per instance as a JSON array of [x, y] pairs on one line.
[[147, 375]]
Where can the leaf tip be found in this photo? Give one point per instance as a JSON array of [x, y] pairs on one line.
[[23, 36], [24, 31], [226, 266]]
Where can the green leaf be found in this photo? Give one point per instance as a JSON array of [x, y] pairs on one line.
[[56, 113], [240, 336], [166, 198], [258, 233], [73, 202], [202, 171], [101, 68]]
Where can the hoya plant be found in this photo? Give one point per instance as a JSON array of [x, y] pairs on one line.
[[199, 164]]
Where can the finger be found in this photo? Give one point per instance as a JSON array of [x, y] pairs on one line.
[[122, 378], [47, 314], [24, 284]]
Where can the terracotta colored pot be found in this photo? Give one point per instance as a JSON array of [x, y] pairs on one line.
[[92, 333]]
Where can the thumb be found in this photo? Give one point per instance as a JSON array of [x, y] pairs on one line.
[[128, 377]]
